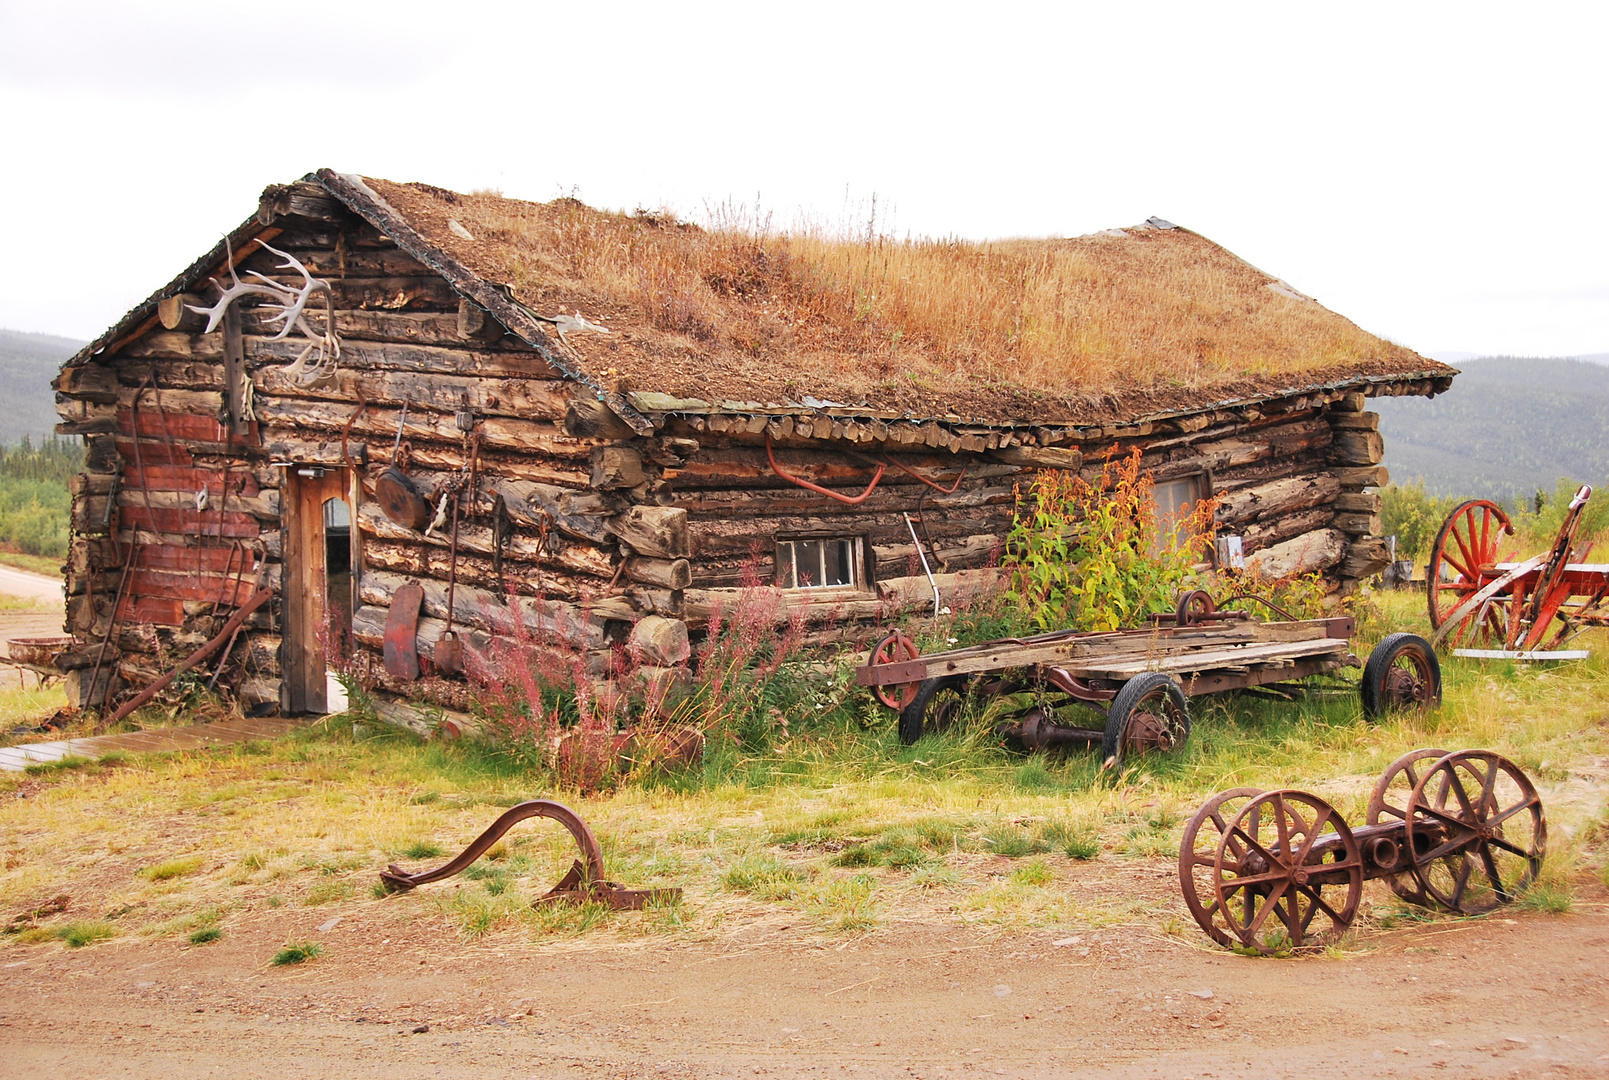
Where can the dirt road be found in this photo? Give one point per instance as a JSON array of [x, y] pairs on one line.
[[14, 582], [398, 994]]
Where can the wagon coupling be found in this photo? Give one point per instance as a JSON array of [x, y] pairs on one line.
[[583, 883], [1281, 871]]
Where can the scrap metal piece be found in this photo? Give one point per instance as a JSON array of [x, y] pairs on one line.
[[583, 883], [402, 632]]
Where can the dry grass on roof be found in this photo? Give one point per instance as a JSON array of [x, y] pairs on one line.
[[1149, 317]]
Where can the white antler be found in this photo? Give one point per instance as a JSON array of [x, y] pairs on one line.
[[323, 349]]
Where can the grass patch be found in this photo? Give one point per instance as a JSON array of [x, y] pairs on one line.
[[843, 904], [764, 876], [1033, 872], [327, 892], [1013, 841], [172, 868], [205, 936], [421, 849], [80, 933], [298, 952]]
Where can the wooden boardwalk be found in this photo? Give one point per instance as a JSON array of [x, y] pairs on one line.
[[162, 740]]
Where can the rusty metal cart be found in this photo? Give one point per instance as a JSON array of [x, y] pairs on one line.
[[1278, 871], [1502, 608], [1141, 678]]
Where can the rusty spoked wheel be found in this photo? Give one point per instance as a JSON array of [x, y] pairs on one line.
[[1389, 803], [1402, 673], [1198, 853], [1475, 825], [895, 648], [1149, 713], [1281, 881], [1467, 542]]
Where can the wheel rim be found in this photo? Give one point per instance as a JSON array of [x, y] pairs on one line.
[[1275, 895], [1389, 802], [1155, 723], [896, 648], [1477, 831], [1198, 851], [1468, 541], [1409, 682]]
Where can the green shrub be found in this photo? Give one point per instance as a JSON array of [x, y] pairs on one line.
[[1094, 556], [79, 934], [172, 868], [298, 952]]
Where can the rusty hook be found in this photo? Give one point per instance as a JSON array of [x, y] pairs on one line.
[[849, 500]]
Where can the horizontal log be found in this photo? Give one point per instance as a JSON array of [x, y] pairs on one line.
[[230, 524], [748, 468], [554, 620], [1039, 457], [1367, 476], [1365, 502], [735, 537], [335, 263], [616, 467], [400, 356], [82, 411], [1305, 554], [588, 418], [947, 553], [379, 425], [1365, 557], [1358, 523], [154, 452], [242, 484], [455, 694], [1355, 421], [93, 381], [183, 427], [581, 514], [1264, 534], [578, 558], [657, 531], [559, 472], [1276, 498], [708, 503], [666, 573], [357, 324], [225, 591], [426, 560], [160, 610], [532, 399], [1358, 447], [199, 402], [282, 445], [179, 312], [264, 504]]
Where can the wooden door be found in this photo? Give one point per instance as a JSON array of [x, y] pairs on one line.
[[303, 653]]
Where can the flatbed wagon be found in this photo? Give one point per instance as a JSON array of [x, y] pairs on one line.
[[1141, 678]]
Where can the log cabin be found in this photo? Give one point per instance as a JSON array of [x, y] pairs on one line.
[[376, 405]]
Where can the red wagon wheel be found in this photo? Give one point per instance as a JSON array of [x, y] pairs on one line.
[[1466, 543], [896, 648]]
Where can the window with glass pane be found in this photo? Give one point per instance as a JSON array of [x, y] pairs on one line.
[[1175, 502], [816, 564]]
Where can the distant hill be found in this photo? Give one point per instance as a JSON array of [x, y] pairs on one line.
[[27, 364], [1509, 426]]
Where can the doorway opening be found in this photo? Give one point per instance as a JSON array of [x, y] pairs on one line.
[[320, 587]]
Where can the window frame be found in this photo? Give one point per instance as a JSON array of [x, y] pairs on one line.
[[859, 572], [1204, 487]]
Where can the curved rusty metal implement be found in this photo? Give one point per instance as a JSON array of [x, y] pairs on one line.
[[848, 500], [584, 883]]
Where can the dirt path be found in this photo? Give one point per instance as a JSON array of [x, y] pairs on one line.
[[397, 993]]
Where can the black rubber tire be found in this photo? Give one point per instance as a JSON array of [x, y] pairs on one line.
[[910, 717], [1134, 692], [1381, 660]]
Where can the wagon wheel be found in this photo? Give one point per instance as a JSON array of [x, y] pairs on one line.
[[896, 648], [1198, 851], [1476, 828], [1272, 889], [1389, 803], [940, 697], [1468, 541], [1402, 673], [1149, 713]]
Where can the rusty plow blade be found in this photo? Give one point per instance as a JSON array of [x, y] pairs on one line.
[[584, 883]]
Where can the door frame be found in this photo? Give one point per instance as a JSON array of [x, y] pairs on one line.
[[304, 583]]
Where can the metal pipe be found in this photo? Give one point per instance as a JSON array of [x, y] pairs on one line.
[[925, 569]]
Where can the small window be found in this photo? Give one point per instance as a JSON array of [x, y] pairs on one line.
[[1175, 501], [825, 563]]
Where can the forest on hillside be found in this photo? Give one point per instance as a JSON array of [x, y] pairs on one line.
[[28, 362], [1510, 427]]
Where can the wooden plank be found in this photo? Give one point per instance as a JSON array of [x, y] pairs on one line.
[[1207, 661], [172, 585], [163, 611], [153, 452], [531, 398], [181, 478]]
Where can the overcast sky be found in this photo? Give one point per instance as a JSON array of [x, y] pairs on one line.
[[1436, 172]]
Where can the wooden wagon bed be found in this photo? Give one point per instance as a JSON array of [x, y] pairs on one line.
[[1140, 677]]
